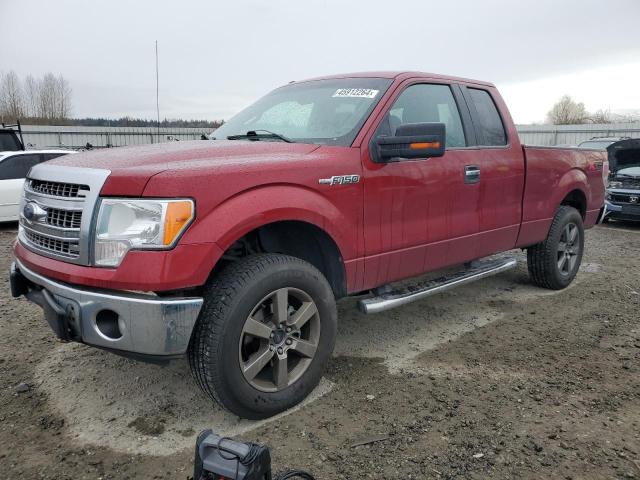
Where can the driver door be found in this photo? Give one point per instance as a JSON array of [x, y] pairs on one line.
[[423, 214]]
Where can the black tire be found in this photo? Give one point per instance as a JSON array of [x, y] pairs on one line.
[[216, 347], [544, 259]]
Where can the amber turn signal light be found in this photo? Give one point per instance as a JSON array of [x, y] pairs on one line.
[[421, 145], [177, 217]]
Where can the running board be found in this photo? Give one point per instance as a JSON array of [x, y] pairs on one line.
[[393, 299]]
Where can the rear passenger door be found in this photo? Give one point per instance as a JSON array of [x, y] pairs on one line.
[[500, 162], [13, 170]]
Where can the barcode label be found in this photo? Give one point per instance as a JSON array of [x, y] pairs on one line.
[[356, 92]]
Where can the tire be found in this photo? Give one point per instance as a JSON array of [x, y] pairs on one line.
[[554, 263], [237, 360]]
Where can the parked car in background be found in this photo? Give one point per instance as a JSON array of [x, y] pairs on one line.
[[14, 166], [600, 143], [623, 189]]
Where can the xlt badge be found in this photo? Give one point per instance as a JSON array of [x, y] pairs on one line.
[[340, 180]]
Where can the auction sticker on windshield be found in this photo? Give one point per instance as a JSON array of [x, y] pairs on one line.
[[356, 92]]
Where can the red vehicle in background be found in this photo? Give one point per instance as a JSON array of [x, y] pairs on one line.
[[233, 251]]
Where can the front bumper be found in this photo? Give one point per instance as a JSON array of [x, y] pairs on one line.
[[132, 324], [621, 212]]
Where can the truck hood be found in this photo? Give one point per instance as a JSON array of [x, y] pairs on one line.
[[633, 171], [132, 167], [624, 154]]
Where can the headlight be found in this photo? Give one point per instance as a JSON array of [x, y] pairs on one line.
[[125, 225], [614, 184]]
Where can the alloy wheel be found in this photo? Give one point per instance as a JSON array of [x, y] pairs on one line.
[[279, 339], [568, 248]]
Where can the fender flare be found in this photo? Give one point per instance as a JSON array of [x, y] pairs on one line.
[[574, 179], [266, 204]]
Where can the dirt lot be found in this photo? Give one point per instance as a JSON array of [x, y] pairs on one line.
[[497, 379]]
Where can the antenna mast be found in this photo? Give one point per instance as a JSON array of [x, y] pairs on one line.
[[157, 94]]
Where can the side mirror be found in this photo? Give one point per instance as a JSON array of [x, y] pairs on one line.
[[411, 141]]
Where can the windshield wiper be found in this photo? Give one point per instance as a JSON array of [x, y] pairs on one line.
[[257, 134]]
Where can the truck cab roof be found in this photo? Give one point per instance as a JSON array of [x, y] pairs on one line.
[[399, 75]]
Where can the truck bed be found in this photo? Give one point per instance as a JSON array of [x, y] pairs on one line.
[[553, 173]]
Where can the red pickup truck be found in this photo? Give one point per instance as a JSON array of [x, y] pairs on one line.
[[234, 250]]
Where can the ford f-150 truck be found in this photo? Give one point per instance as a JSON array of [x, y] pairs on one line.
[[233, 250]]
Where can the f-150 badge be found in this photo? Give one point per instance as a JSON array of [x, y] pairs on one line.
[[340, 180]]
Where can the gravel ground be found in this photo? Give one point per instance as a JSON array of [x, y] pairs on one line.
[[497, 379]]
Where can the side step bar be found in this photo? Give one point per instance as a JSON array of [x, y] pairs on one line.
[[393, 299]]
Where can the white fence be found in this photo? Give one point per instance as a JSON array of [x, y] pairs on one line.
[[574, 134], [41, 136], [77, 137]]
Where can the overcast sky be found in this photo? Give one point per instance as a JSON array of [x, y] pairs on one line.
[[217, 56]]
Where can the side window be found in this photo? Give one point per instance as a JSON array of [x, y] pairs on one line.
[[18, 166], [427, 103], [491, 129]]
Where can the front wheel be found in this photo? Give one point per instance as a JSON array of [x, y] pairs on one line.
[[265, 333], [554, 263]]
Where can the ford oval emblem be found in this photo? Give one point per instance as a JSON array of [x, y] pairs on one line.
[[32, 212]]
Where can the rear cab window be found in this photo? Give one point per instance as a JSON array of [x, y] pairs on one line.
[[9, 141], [487, 121]]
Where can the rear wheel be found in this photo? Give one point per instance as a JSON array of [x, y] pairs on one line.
[[264, 335], [554, 263]]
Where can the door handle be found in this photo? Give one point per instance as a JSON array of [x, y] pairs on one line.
[[471, 174]]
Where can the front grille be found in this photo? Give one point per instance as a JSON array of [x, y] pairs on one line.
[[63, 218], [58, 189], [61, 247], [69, 196], [630, 182], [625, 198]]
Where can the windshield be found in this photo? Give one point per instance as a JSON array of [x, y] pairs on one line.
[[323, 112], [598, 145]]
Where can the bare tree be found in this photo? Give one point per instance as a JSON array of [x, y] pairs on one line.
[[47, 96], [567, 112], [31, 93], [601, 116], [63, 98], [54, 97], [629, 116], [11, 96]]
